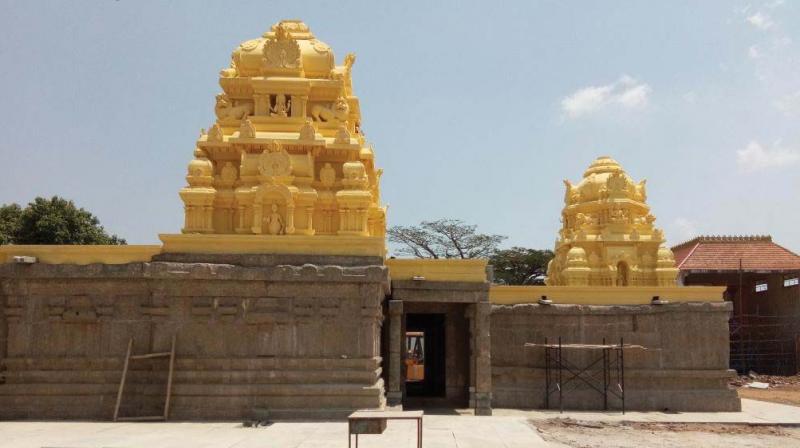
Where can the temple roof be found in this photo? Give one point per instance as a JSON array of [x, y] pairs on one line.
[[723, 253], [603, 164], [607, 236], [289, 49], [595, 184]]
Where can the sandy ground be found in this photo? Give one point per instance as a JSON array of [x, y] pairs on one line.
[[778, 394], [582, 434], [782, 389]]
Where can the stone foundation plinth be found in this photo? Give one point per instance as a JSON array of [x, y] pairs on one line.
[[254, 336], [685, 366]]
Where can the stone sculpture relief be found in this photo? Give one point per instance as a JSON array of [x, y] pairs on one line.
[[229, 173], [308, 131], [274, 221], [282, 51], [327, 175], [337, 112], [247, 130], [275, 163], [281, 107], [224, 108]]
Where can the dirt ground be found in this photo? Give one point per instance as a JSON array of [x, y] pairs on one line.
[[782, 389], [580, 434]]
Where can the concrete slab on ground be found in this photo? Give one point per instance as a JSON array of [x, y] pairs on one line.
[[507, 428], [753, 412], [439, 431]]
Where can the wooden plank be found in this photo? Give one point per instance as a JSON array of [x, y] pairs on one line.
[[151, 355], [150, 418], [169, 377], [588, 346], [395, 415], [122, 381]]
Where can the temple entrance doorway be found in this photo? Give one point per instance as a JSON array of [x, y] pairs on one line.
[[436, 346], [425, 345]]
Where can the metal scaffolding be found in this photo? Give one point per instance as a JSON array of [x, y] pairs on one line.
[[563, 375], [765, 344]]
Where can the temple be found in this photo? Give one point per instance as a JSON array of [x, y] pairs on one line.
[[607, 236], [276, 299], [286, 156]]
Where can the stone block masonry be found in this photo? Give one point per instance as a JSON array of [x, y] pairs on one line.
[[254, 334], [684, 369]]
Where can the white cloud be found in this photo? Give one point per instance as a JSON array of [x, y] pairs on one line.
[[756, 157], [760, 20], [789, 104], [775, 4], [781, 42], [753, 52], [690, 96], [626, 92]]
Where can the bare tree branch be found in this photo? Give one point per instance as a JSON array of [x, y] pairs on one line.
[[444, 238]]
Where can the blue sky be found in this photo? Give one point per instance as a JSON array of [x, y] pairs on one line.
[[477, 111]]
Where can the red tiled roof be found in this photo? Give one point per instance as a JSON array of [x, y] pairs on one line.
[[722, 253]]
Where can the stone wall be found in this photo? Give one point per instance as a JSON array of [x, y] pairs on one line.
[[252, 335], [685, 366]]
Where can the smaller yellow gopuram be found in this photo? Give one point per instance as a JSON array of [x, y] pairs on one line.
[[286, 156], [607, 236]]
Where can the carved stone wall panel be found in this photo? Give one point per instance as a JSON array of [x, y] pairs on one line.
[[233, 332], [662, 377]]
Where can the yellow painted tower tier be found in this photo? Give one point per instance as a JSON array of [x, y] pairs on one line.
[[285, 163], [607, 236]]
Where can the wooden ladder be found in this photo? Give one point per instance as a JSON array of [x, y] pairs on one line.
[[128, 359]]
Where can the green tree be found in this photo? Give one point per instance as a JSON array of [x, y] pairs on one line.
[[444, 238], [53, 221], [516, 265], [9, 222]]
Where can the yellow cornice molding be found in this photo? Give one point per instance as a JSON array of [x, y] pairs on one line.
[[454, 270], [80, 254], [603, 295], [274, 244]]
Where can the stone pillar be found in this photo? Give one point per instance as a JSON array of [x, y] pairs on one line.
[[289, 219], [258, 217], [310, 220], [299, 105], [394, 393], [262, 104], [3, 336], [483, 360], [470, 315]]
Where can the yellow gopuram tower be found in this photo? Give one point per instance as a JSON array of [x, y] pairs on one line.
[[607, 236], [286, 159]]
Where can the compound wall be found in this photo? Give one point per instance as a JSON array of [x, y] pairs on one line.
[[684, 366], [255, 335]]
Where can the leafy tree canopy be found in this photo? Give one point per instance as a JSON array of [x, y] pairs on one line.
[[519, 265], [52, 221], [9, 222], [444, 238]]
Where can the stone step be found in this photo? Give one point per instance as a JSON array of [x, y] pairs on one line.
[[254, 390], [200, 407], [183, 363], [196, 376]]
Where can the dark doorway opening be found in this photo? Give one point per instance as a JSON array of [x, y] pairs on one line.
[[425, 355]]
